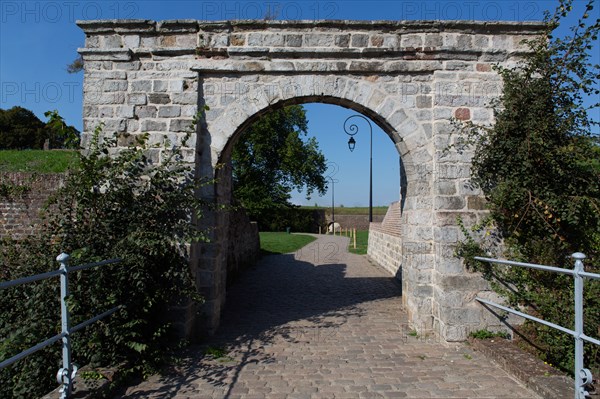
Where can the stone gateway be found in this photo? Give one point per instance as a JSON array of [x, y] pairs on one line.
[[409, 77]]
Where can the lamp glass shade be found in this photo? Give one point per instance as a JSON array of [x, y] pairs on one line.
[[351, 143]]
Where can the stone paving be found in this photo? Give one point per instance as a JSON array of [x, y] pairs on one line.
[[323, 323]]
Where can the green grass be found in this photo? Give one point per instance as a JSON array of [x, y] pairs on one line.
[[56, 161], [357, 210], [282, 243], [362, 240]]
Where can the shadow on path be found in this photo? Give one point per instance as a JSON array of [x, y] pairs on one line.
[[288, 299]]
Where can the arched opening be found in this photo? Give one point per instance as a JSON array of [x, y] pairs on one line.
[[412, 180], [340, 109]]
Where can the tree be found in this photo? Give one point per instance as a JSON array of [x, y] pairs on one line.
[[21, 129], [59, 134], [538, 167], [271, 159]]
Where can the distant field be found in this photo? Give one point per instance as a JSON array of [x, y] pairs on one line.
[[56, 161], [358, 210], [282, 243]]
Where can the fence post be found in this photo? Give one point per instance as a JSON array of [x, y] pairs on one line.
[[580, 392], [67, 372]]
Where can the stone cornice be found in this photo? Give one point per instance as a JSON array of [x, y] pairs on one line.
[[464, 26]]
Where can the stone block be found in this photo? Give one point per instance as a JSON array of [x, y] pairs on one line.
[[450, 203], [137, 99], [128, 66], [114, 85], [180, 125], [169, 111], [105, 112], [424, 101], [111, 41], [359, 40], [141, 86], [131, 41], [159, 98], [160, 86], [318, 40], [342, 40], [185, 98], [153, 126], [463, 114], [93, 98], [411, 41], [445, 188], [447, 234], [433, 40], [145, 111]]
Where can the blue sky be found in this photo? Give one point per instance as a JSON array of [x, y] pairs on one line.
[[39, 38]]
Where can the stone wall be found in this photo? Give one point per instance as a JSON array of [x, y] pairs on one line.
[[359, 222], [409, 77], [244, 244], [385, 241], [22, 198]]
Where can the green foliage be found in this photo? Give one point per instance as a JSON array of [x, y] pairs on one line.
[[59, 134], [120, 206], [538, 167], [215, 352], [297, 219], [283, 243], [21, 129], [486, 334], [10, 190], [38, 161], [271, 159]]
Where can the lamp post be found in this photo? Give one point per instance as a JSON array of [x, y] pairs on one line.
[[333, 181], [351, 130]]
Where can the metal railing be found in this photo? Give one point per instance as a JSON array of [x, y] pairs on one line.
[[66, 374], [583, 376]]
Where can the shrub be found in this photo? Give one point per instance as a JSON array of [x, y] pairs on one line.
[[121, 206], [538, 168]]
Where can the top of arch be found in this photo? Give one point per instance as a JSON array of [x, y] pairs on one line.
[[188, 25]]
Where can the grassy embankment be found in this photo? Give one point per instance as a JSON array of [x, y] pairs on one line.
[[356, 210], [39, 161]]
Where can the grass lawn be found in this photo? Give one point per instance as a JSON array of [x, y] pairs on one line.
[[362, 239], [56, 161], [282, 243]]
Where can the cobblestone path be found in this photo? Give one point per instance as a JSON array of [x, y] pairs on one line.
[[323, 323]]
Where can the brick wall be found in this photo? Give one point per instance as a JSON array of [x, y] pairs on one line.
[[22, 197]]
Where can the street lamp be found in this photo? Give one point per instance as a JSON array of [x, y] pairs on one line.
[[351, 130], [333, 181]]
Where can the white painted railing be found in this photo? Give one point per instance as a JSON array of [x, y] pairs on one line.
[[66, 374], [583, 376]]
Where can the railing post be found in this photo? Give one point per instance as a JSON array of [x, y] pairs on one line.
[[580, 372], [67, 372]]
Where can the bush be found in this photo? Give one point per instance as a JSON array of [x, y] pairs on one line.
[[121, 206], [538, 168], [298, 219]]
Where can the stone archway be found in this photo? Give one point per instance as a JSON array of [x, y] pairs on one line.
[[410, 77]]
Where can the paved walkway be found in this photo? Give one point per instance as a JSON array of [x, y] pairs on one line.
[[323, 323]]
